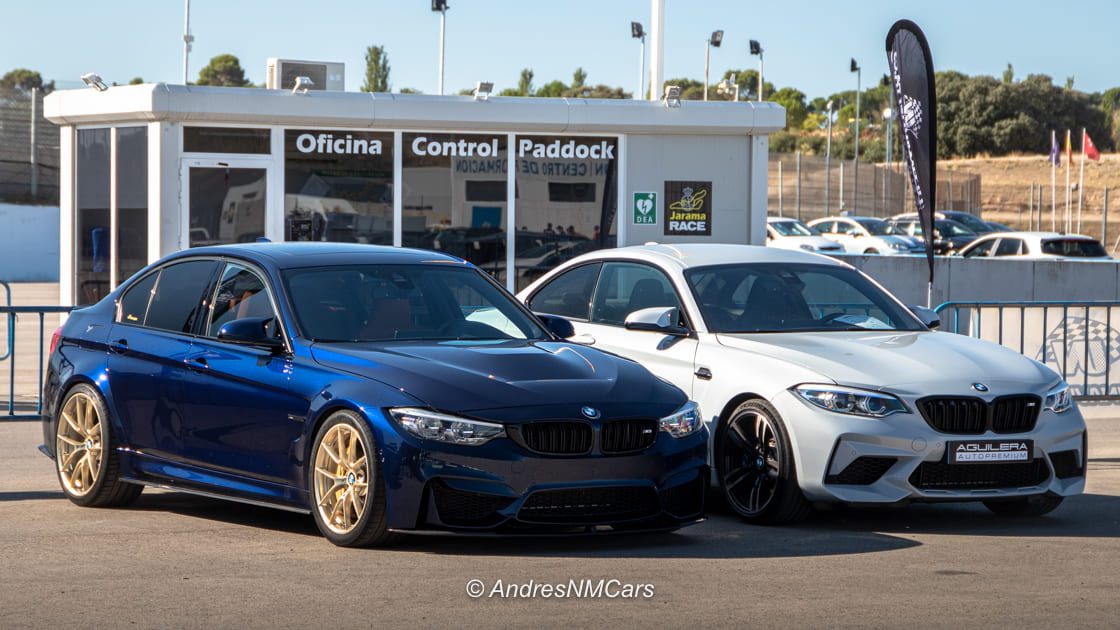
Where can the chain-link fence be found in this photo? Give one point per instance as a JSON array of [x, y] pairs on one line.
[[809, 187], [28, 150]]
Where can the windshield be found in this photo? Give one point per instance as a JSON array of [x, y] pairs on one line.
[[877, 227], [1074, 248], [782, 297], [971, 222], [404, 302], [792, 228], [952, 228]]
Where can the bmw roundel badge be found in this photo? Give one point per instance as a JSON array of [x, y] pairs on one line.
[[980, 387], [590, 412]]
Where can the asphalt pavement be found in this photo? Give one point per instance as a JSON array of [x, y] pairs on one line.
[[174, 560]]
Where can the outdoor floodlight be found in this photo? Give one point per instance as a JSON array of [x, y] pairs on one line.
[[855, 66], [716, 39], [636, 30], [439, 6], [302, 84], [756, 48], [672, 97], [828, 106], [93, 80], [482, 90]]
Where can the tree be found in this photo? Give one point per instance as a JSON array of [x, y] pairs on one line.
[[136, 81], [1009, 74], [794, 103], [1069, 83], [552, 89], [578, 78], [598, 91], [525, 82], [408, 90], [377, 70], [224, 70], [23, 80]]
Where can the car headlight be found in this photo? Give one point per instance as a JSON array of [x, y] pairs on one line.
[[684, 421], [441, 427], [899, 246], [851, 401], [1059, 400]]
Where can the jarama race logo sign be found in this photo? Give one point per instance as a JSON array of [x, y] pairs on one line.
[[689, 208], [645, 208]]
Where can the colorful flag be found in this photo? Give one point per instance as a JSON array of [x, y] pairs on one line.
[[1069, 149], [1090, 149], [1055, 152]]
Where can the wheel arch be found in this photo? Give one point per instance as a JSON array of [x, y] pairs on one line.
[[725, 416]]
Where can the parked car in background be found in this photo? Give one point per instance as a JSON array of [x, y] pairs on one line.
[[867, 235], [819, 386], [999, 227], [379, 389], [948, 235], [789, 233], [970, 221], [1035, 245]]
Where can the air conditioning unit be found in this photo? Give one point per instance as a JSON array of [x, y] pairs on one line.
[[326, 75]]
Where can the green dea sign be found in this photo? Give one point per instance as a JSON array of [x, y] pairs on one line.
[[645, 208]]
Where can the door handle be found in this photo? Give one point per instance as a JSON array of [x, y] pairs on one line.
[[197, 363], [703, 374], [119, 346]]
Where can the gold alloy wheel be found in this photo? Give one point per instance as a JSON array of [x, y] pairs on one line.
[[341, 478], [78, 444]]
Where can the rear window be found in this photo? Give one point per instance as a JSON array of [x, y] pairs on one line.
[[1074, 248]]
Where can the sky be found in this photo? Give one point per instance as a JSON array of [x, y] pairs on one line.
[[807, 44]]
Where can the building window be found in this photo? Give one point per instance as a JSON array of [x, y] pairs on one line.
[[338, 186], [454, 196], [226, 140], [566, 200], [91, 233], [132, 201]]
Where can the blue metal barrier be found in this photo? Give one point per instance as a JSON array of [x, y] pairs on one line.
[[12, 313], [1075, 338]]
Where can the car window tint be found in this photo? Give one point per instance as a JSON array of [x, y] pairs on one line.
[[843, 227], [178, 295], [824, 227], [134, 303], [981, 249], [1008, 247], [625, 287], [241, 294], [1077, 248], [567, 295]]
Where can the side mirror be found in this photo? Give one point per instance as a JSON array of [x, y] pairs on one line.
[[250, 331], [928, 316], [662, 319], [558, 326]]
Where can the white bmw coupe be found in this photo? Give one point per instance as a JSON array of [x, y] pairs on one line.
[[819, 386]]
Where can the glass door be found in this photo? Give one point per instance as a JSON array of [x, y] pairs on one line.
[[225, 201]]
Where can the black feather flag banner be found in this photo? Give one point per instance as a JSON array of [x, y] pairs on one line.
[[911, 67]]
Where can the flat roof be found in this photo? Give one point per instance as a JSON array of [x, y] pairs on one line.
[[359, 110]]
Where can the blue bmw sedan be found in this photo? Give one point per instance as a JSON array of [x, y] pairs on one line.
[[382, 390]]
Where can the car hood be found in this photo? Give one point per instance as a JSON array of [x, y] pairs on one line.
[[465, 376], [918, 363]]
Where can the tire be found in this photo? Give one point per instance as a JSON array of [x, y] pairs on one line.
[[349, 508], [86, 461], [871, 251], [1034, 505], [773, 496]]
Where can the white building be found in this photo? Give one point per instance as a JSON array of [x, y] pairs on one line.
[[151, 169]]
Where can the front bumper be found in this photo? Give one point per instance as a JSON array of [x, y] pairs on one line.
[[502, 487], [902, 458]]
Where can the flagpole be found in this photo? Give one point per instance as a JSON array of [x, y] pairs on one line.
[[1053, 184], [1065, 223], [1081, 180]]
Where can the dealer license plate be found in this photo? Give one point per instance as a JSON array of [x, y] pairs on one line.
[[990, 451]]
